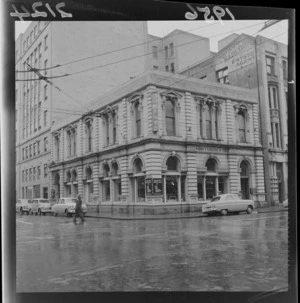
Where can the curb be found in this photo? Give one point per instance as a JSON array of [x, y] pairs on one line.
[[172, 217]]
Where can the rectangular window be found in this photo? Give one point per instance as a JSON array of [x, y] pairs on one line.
[[171, 49], [45, 170], [30, 150], [45, 144], [27, 152], [154, 51], [45, 93], [270, 61], [38, 147], [172, 68], [46, 42], [167, 68], [155, 67], [45, 118], [222, 75], [34, 173], [277, 132], [45, 67], [284, 69], [34, 149], [38, 172], [273, 97], [166, 52]]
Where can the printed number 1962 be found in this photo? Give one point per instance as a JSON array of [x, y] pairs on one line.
[[218, 11], [37, 13]]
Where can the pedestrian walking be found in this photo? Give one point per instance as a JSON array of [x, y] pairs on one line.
[[78, 209]]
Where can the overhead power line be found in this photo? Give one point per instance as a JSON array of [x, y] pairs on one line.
[[147, 54]]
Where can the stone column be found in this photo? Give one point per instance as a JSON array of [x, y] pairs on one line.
[[204, 188], [213, 122], [179, 188], [205, 110], [229, 121], [96, 134], [165, 187], [96, 179], [80, 180], [61, 183], [219, 122], [81, 140]]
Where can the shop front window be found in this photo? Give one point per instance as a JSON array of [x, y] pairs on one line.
[[171, 186], [210, 187], [106, 190], [141, 188]]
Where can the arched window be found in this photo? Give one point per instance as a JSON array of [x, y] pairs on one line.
[[244, 168], [170, 117], [138, 165], [211, 165], [208, 122], [74, 175], [172, 163], [88, 133], [106, 170], [241, 126], [88, 173], [68, 176], [114, 169], [137, 119]]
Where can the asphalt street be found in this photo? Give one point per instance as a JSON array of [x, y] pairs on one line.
[[223, 253]]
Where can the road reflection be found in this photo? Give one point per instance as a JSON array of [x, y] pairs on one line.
[[232, 253]]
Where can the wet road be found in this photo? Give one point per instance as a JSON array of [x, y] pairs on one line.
[[231, 253]]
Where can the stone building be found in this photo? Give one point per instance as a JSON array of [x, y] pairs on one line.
[[160, 141], [117, 52], [259, 64]]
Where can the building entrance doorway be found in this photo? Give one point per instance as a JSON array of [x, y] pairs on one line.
[[245, 188], [171, 188]]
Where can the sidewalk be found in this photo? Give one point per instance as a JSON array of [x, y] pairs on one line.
[[277, 208]]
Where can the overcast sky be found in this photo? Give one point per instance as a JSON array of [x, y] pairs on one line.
[[215, 30]]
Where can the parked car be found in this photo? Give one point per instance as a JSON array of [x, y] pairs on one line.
[[22, 206], [66, 206], [228, 203], [40, 206], [285, 203]]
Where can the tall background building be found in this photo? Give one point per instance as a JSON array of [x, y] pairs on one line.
[[259, 64]]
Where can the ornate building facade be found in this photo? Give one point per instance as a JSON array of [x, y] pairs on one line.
[[160, 140]]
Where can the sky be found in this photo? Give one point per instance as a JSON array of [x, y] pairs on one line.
[[215, 30]]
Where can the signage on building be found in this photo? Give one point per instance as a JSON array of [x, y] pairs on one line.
[[210, 149], [154, 187], [237, 56]]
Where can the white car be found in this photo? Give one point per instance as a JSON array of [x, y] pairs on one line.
[[228, 203], [66, 207], [22, 206], [40, 206], [285, 203]]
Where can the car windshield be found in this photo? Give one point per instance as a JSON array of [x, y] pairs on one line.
[[44, 201], [215, 199]]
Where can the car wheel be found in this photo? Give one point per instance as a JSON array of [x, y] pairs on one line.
[[224, 212], [39, 211], [55, 214], [249, 209], [66, 213]]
